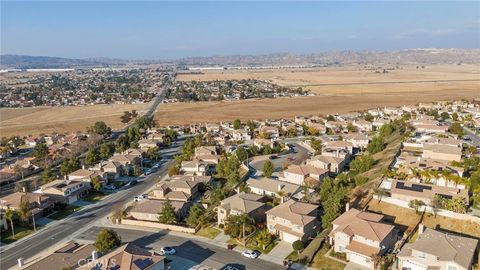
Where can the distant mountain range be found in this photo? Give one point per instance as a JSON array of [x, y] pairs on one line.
[[412, 56]]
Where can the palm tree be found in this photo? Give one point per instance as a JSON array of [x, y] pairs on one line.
[[380, 193], [24, 213], [264, 238], [9, 214]]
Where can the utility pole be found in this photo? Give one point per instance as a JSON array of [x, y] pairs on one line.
[[34, 225]]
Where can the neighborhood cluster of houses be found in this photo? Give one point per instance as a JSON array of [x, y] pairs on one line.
[[187, 91], [81, 87], [424, 168]]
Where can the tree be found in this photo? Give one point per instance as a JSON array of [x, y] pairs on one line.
[[92, 157], [298, 246], [313, 131], [351, 128], [47, 175], [20, 171], [106, 150], [100, 128], [9, 214], [153, 153], [268, 168], [454, 116], [457, 129], [264, 238], [167, 214], [96, 183], [436, 203], [196, 215], [69, 165], [241, 153], [316, 145], [173, 170], [40, 151], [416, 204], [376, 145], [24, 212], [235, 224], [267, 150], [444, 116], [118, 213], [107, 240], [361, 164], [236, 124], [380, 193], [126, 117]]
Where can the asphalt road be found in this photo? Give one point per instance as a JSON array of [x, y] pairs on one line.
[[297, 156], [199, 252], [474, 138], [82, 220]]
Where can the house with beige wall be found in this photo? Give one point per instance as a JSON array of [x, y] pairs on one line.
[[293, 220], [242, 203], [360, 235], [303, 175], [438, 250]]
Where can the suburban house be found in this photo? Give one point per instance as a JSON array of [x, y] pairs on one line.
[[198, 167], [293, 220], [270, 187], [438, 250], [205, 150], [65, 191], [148, 209], [70, 256], [39, 204], [273, 132], [407, 191], [145, 144], [361, 235], [357, 139], [303, 175], [242, 203], [84, 175], [340, 146], [241, 135], [334, 165], [442, 152], [128, 256], [176, 190], [363, 125], [3, 221]]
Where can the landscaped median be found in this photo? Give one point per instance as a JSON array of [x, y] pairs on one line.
[[157, 225]]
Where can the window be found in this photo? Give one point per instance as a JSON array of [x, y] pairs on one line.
[[421, 255], [452, 267]]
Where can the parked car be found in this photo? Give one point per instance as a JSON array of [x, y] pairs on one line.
[[273, 157], [110, 187], [148, 172], [229, 267], [250, 254], [138, 198], [156, 166], [132, 183], [167, 251], [144, 196]]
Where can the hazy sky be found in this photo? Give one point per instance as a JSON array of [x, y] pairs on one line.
[[162, 30]]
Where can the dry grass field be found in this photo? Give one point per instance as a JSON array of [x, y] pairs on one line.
[[34, 121], [338, 91], [187, 113], [409, 218]]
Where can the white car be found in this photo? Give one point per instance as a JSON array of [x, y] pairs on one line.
[[138, 198], [167, 251], [250, 254]]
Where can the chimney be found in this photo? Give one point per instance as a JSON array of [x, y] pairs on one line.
[[347, 207], [83, 166], [338, 153], [24, 190], [20, 262], [421, 228], [94, 255]]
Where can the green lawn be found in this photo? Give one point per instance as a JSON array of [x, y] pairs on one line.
[[322, 262], [93, 197], [20, 232], [60, 214], [208, 232]]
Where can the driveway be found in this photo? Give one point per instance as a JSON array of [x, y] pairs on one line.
[[354, 266], [299, 155], [279, 252]]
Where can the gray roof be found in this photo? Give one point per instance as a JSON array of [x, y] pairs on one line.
[[445, 246]]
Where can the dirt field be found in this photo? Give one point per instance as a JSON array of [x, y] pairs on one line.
[[356, 79], [187, 113], [409, 218], [34, 121]]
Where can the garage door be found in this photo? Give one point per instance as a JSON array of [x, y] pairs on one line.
[[358, 259], [72, 199], [289, 237]]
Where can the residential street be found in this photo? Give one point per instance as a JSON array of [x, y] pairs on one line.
[[193, 250], [77, 223]]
